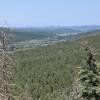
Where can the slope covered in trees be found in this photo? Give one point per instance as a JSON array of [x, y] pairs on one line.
[[48, 73]]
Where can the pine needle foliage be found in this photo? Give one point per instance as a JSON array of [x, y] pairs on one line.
[[89, 77]]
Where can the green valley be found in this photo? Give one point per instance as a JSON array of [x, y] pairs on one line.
[[48, 73]]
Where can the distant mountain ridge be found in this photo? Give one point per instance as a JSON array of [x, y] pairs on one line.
[[86, 28], [53, 32]]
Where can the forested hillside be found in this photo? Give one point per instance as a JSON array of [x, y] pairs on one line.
[[48, 73]]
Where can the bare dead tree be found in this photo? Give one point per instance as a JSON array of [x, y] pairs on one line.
[[4, 68]]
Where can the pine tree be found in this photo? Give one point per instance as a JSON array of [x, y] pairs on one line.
[[89, 77]]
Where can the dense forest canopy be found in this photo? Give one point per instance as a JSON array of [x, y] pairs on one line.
[[49, 72]]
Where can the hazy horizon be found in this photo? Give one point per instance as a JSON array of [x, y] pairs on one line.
[[70, 26], [48, 13]]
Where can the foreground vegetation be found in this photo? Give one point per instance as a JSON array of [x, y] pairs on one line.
[[48, 73]]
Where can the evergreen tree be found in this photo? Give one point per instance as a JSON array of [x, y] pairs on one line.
[[90, 78]]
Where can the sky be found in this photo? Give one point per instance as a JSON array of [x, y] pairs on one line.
[[42, 13]]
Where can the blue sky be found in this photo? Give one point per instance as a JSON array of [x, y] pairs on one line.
[[29, 13]]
